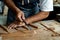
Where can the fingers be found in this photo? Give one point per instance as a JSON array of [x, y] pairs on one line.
[[11, 26], [16, 24], [21, 24], [21, 17]]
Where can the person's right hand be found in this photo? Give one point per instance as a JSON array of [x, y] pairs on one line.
[[20, 16]]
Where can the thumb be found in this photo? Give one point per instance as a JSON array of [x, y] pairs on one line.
[[23, 17], [19, 18]]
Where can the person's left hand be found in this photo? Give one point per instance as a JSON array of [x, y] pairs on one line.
[[16, 24]]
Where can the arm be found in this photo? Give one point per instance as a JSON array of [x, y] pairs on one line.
[[37, 17], [11, 5], [45, 6], [16, 10]]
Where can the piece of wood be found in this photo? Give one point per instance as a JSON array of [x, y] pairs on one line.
[[2, 31], [57, 34], [52, 23], [4, 28], [8, 30]]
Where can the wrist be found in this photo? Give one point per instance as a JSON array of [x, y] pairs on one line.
[[18, 10], [27, 21]]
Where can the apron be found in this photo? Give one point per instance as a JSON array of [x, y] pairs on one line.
[[29, 8]]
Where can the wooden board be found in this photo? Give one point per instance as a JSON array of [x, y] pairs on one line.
[[2, 31], [38, 34], [7, 30], [52, 24], [28, 35]]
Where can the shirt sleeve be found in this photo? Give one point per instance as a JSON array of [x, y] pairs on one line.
[[46, 5]]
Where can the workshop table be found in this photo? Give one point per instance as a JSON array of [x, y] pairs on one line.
[[37, 34]]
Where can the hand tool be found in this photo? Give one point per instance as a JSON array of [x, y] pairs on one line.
[[27, 25]]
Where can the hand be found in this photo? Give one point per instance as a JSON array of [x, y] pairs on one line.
[[20, 16], [16, 24]]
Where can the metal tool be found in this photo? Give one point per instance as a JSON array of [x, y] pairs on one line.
[[27, 25]]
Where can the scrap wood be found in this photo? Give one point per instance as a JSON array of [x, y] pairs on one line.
[[8, 30], [56, 34], [2, 31], [4, 28]]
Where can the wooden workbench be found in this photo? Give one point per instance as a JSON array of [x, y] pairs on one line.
[[38, 34]]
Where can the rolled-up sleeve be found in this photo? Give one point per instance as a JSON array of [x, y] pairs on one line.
[[46, 5]]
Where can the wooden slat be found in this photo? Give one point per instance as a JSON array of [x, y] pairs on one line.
[[2, 31], [52, 24], [8, 30]]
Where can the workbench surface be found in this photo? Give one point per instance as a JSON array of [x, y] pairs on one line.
[[38, 34]]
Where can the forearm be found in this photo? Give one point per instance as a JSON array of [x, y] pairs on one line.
[[37, 17], [11, 5]]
